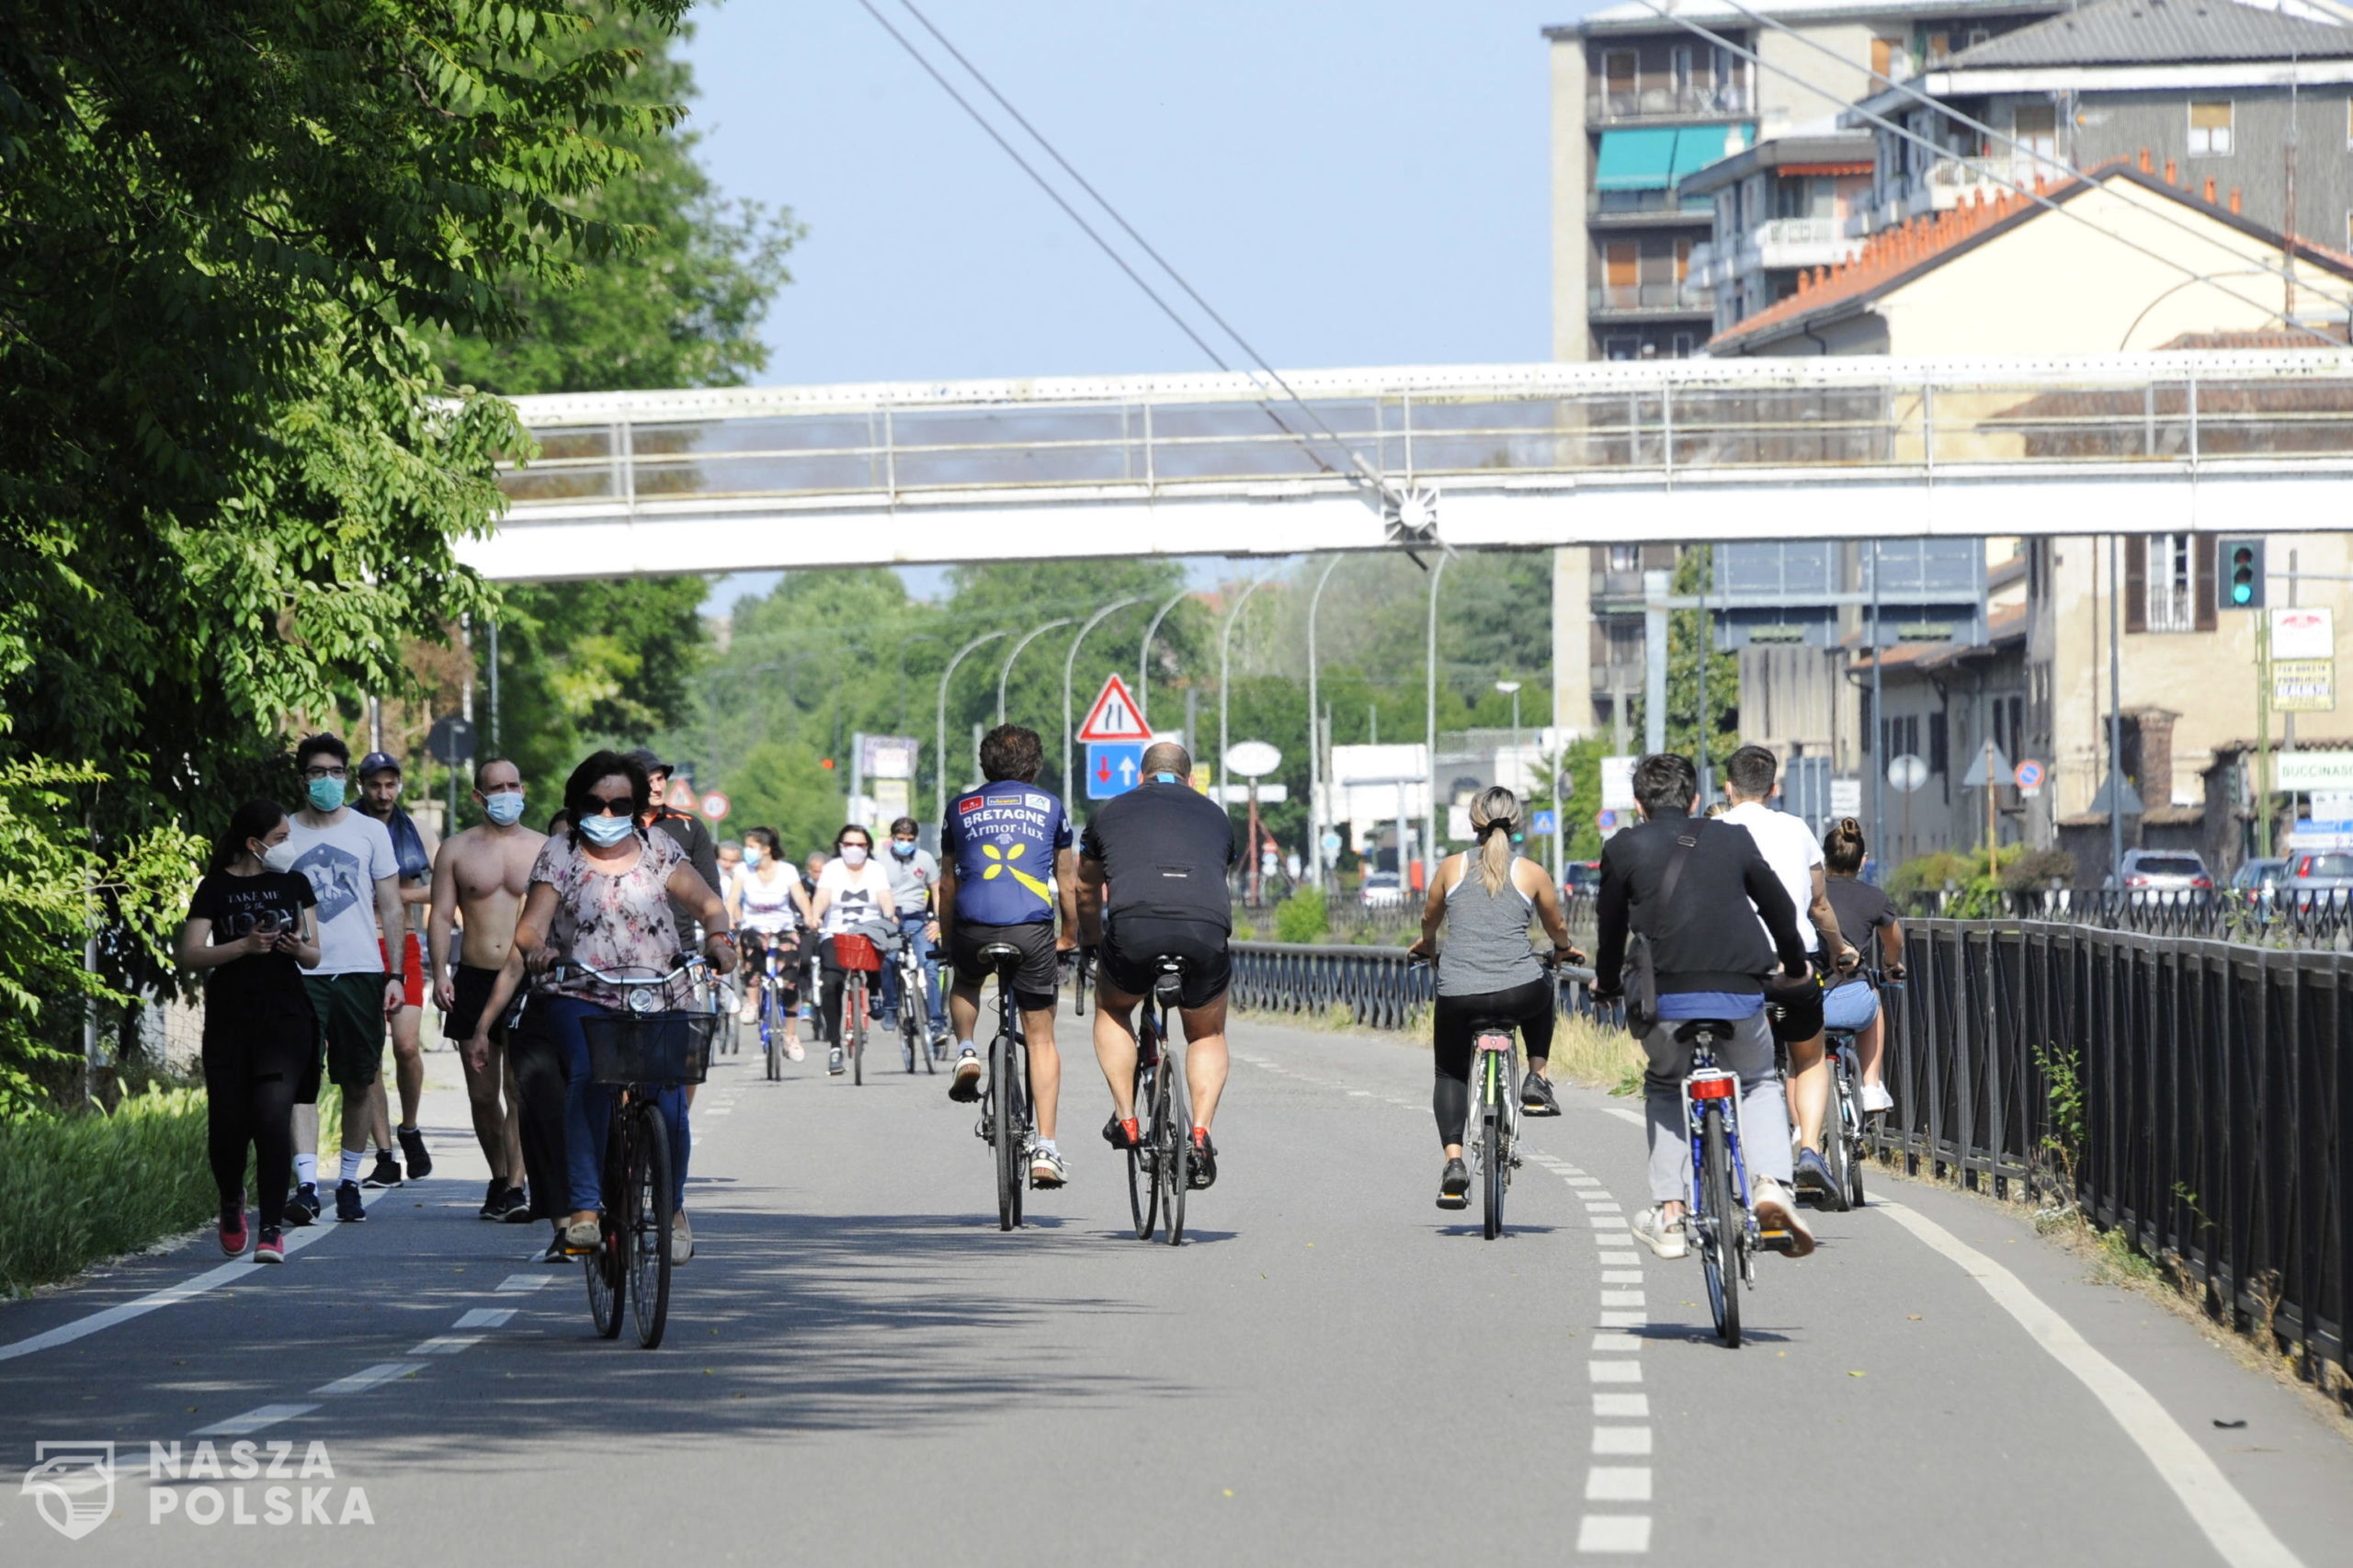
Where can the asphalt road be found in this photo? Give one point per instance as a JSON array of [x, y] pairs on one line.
[[863, 1369]]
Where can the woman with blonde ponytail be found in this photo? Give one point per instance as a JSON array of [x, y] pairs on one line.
[[1487, 897]]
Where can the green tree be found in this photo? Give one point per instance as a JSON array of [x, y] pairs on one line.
[[231, 472], [1685, 639]]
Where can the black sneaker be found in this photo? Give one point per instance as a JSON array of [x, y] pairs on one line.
[[1536, 1096], [515, 1209], [1116, 1134], [1454, 1186], [834, 1061], [1204, 1161], [348, 1206], [302, 1204], [387, 1172], [555, 1252], [420, 1164], [493, 1202]]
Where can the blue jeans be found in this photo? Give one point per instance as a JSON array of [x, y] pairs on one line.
[[588, 1109], [912, 928]]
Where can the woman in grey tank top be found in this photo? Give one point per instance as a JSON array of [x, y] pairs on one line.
[[1487, 898]]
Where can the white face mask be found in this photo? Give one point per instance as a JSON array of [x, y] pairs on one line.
[[853, 854], [279, 856]]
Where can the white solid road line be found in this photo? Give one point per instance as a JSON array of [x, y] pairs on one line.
[[2236, 1531], [171, 1295]]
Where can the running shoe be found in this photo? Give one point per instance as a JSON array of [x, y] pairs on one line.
[[270, 1247], [964, 1085], [1536, 1096], [515, 1209], [232, 1233], [555, 1252], [1454, 1186], [1661, 1234], [1046, 1168], [1123, 1135], [494, 1202], [1876, 1098], [682, 1239], [792, 1051], [1204, 1161], [420, 1164], [347, 1204], [302, 1205], [387, 1172], [1776, 1211], [833, 1061], [750, 1011], [1813, 1174]]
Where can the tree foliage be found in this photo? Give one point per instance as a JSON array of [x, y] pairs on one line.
[[1685, 641]]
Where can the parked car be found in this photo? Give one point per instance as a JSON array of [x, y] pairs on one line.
[[2323, 877], [2257, 881], [1582, 878], [2163, 875], [1382, 889]]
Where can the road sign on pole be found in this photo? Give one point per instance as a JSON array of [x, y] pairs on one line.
[[715, 806], [1543, 822], [1115, 716], [1112, 768], [2028, 776]]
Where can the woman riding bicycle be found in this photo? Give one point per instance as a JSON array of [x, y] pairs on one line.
[[1489, 971], [1852, 1003], [769, 909], [600, 898]]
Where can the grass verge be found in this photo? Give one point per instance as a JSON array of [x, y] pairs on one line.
[[75, 1190]]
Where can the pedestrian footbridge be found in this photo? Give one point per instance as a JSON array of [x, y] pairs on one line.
[[748, 478]]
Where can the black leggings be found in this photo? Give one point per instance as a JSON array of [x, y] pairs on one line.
[[538, 1062], [249, 1110], [1528, 1006]]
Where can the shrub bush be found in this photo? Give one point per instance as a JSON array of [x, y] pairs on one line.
[[1302, 918]]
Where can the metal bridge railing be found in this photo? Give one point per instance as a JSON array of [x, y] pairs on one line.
[[1381, 987]]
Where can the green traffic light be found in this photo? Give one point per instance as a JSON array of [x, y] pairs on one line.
[[2242, 593]]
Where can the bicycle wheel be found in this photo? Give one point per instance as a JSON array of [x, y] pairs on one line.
[[1144, 1187], [1009, 1173], [854, 1024], [1856, 1154], [650, 1213], [1720, 1224], [772, 1031], [607, 1275], [1178, 1156]]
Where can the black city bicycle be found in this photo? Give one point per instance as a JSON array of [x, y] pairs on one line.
[[1160, 1163], [859, 957], [1846, 1146], [915, 1008], [1004, 1107], [649, 1046]]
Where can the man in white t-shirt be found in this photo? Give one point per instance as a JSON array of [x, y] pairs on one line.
[[349, 860], [1788, 847], [853, 894]]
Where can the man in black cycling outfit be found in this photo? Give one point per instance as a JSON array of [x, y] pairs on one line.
[[1164, 850]]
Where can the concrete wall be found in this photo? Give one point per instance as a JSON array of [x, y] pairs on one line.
[[1783, 102], [1573, 638], [1572, 153]]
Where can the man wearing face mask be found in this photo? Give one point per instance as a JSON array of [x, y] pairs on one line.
[[380, 797], [913, 874], [482, 875], [349, 859], [685, 831]]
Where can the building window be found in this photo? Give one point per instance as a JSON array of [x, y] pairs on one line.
[[2172, 584], [2210, 129], [1939, 756], [1625, 558], [1679, 71], [2035, 127], [1622, 347], [1684, 344], [1978, 36]]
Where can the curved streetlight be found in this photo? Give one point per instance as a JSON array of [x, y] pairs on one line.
[[1070, 663], [1224, 682], [1143, 654], [1429, 845], [940, 738], [1006, 672], [1315, 742]]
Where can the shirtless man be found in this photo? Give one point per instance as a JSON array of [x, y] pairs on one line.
[[482, 874]]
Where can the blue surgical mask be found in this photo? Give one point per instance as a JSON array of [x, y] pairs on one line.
[[903, 848], [752, 856], [505, 808], [327, 794], [605, 831]]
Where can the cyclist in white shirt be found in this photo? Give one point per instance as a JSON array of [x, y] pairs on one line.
[[1790, 850], [853, 894], [768, 909]]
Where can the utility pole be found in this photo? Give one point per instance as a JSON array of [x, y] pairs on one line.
[[2263, 728], [2115, 726], [1875, 739]]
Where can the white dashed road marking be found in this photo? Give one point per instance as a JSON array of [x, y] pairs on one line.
[[368, 1378], [253, 1420]]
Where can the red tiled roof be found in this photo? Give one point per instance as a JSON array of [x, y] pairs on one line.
[[1894, 256]]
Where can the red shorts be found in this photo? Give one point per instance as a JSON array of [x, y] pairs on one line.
[[412, 969]]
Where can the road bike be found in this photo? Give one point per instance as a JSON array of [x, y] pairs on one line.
[[776, 959], [1160, 1163], [859, 957], [647, 1048], [1005, 1124], [1854, 1129], [1495, 1153], [914, 1007], [1721, 1225]]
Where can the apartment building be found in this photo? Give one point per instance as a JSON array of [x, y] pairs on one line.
[[1780, 209]]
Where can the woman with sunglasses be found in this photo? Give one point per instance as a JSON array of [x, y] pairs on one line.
[[600, 896]]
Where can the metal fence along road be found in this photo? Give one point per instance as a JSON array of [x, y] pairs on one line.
[[1380, 986], [2321, 919]]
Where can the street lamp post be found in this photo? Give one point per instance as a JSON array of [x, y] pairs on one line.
[[1143, 657], [1224, 681], [1511, 688], [1006, 672], [1314, 739], [939, 737], [1429, 843], [1070, 663]]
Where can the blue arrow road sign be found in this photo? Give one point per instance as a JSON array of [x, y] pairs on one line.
[[1112, 767], [1543, 822]]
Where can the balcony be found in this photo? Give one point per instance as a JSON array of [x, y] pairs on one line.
[[1626, 101], [1608, 209], [1797, 241], [1947, 183], [1687, 297]]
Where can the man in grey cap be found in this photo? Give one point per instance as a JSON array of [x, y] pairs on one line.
[[685, 829], [380, 797]]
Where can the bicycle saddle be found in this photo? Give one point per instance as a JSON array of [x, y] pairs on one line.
[[997, 953], [1710, 1031]]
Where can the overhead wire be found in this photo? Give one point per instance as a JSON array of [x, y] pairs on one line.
[[2034, 195], [1363, 472], [2015, 144]]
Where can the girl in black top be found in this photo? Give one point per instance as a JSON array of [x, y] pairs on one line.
[[253, 929], [1853, 1003]]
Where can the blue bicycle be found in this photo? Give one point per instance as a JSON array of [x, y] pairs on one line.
[[1721, 1224]]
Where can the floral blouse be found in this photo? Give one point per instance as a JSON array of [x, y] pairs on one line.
[[618, 922]]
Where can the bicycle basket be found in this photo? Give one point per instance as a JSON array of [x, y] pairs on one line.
[[648, 1048], [854, 951]]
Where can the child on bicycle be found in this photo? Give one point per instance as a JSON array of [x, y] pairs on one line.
[[1852, 1002]]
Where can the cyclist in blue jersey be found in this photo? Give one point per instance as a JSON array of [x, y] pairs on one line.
[[1007, 867]]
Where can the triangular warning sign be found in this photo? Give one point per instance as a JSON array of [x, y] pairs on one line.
[[1115, 716]]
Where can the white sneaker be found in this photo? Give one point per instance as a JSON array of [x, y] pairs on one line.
[[792, 1051], [1776, 1211], [1662, 1235], [1046, 1168], [682, 1239], [1876, 1098], [750, 1011]]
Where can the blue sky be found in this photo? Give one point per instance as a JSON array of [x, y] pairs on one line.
[[1357, 184]]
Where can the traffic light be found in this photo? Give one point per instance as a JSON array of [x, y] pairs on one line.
[[2239, 584]]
